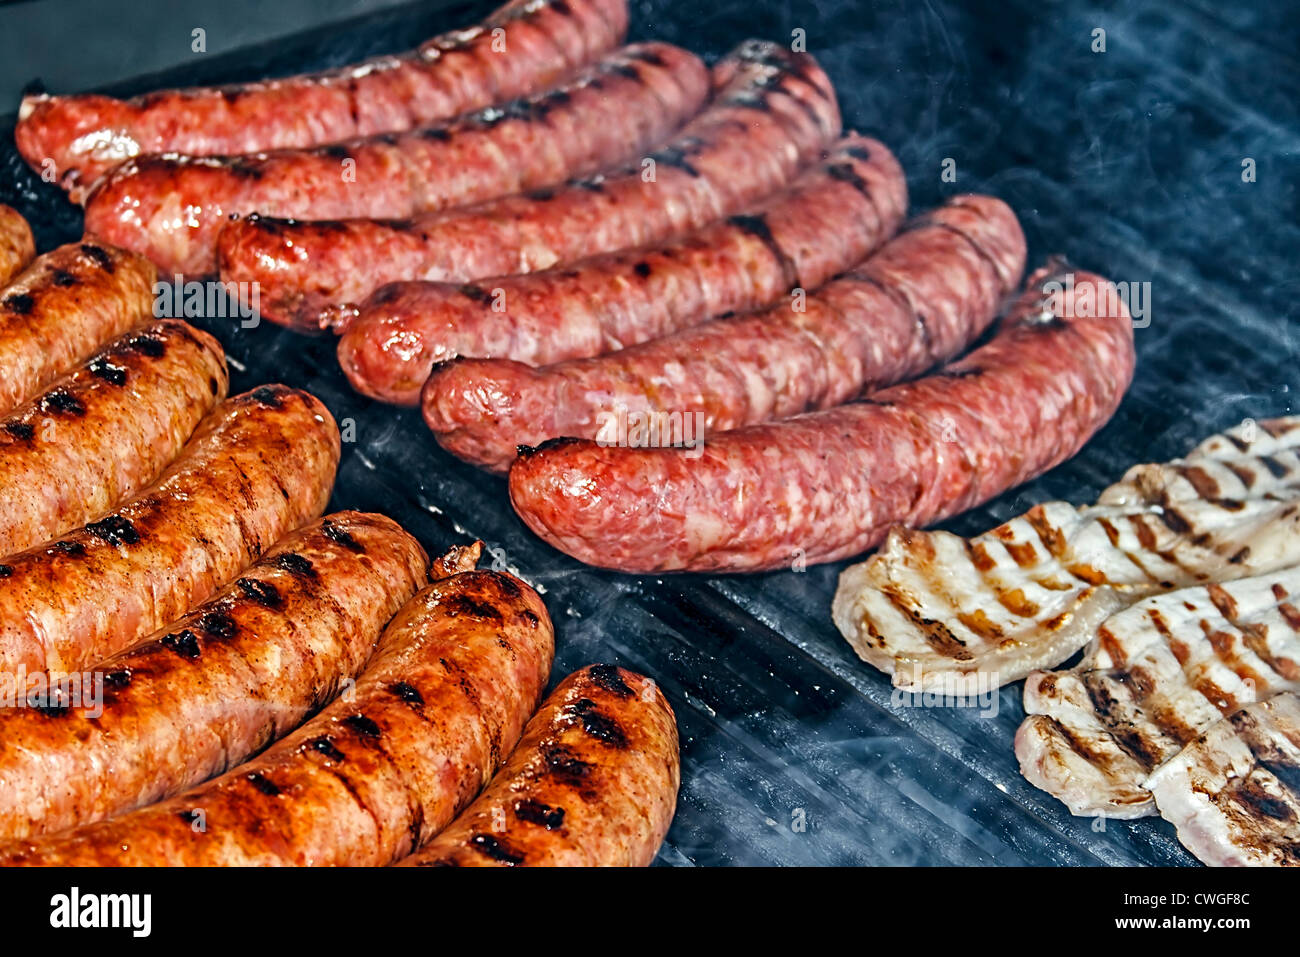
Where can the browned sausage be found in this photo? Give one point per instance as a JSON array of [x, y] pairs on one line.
[[62, 308], [829, 484], [105, 431], [772, 112], [237, 672], [611, 111], [258, 467], [17, 245], [524, 46], [379, 771], [593, 783]]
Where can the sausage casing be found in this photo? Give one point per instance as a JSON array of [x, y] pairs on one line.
[[17, 245]]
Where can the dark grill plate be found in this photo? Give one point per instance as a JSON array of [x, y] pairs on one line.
[[1127, 162]]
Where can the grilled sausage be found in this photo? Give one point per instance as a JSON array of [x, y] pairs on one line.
[[104, 431], [831, 217], [200, 696], [446, 696], [258, 467], [62, 308], [525, 46], [17, 245], [593, 783], [773, 112], [829, 484], [919, 301], [626, 103]]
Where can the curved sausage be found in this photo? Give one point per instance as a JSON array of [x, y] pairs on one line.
[[526, 45], [65, 306], [825, 485], [105, 431], [920, 300], [230, 676], [17, 245], [773, 111], [258, 467], [829, 218], [446, 696], [626, 103], [593, 783]]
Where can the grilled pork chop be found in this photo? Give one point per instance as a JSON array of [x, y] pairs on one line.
[[1031, 592], [1234, 792], [1156, 676]]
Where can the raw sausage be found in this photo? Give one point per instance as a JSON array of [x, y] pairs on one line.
[[17, 245], [593, 783], [772, 112], [64, 307], [626, 103], [826, 485], [237, 672], [378, 772], [525, 46], [105, 431], [832, 216], [258, 467], [920, 300]]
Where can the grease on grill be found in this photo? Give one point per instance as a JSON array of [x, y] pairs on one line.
[[115, 530], [263, 593]]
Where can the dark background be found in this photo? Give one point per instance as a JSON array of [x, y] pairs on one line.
[[1129, 162]]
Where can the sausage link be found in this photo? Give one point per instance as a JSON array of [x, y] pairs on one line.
[[920, 300], [832, 216], [258, 467], [525, 46], [773, 111], [237, 672], [105, 431], [64, 307], [826, 485], [378, 772], [626, 103], [17, 245], [593, 783]]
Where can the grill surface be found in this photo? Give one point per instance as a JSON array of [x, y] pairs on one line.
[[1128, 162]]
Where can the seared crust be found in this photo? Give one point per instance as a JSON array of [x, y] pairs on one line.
[[593, 783], [218, 684], [524, 46], [65, 306], [258, 467], [105, 431], [613, 110], [379, 771]]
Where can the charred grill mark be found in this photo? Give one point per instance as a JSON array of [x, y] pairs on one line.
[[100, 257], [323, 745], [23, 431], [1174, 520], [538, 812], [1278, 469], [69, 547], [496, 849], [458, 604], [62, 402], [263, 593], [597, 724], [475, 293], [183, 643], [218, 625], [565, 766], [108, 371], [115, 530], [155, 347], [1125, 735], [677, 157], [20, 303], [263, 784], [295, 564], [609, 678], [63, 278], [118, 679], [757, 227], [1223, 601], [407, 693], [1288, 611], [339, 535], [269, 396], [363, 726]]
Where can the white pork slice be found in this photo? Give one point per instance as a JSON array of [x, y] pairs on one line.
[[1156, 675], [1031, 592], [1234, 792]]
